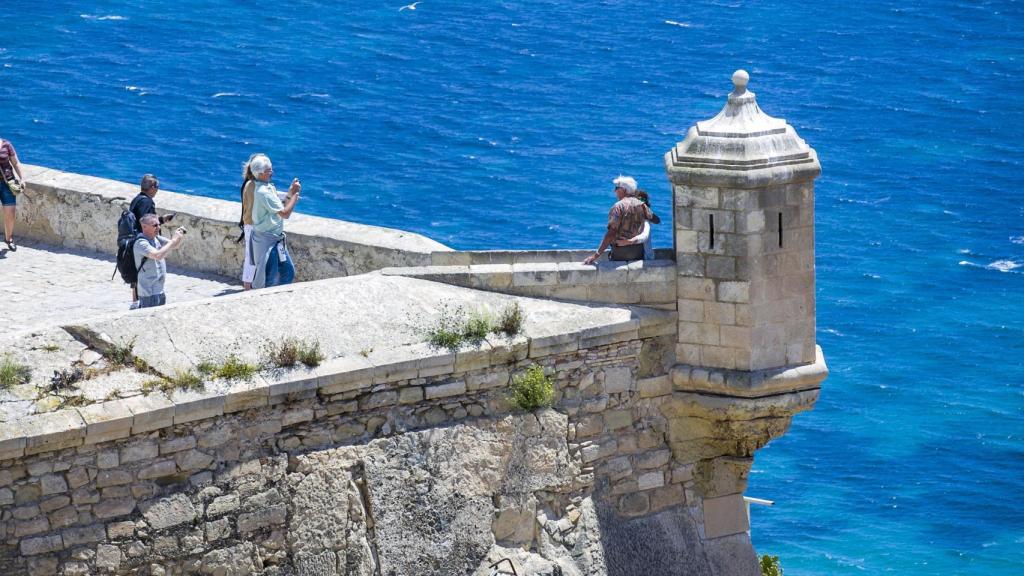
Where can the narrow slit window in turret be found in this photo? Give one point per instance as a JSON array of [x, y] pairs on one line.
[[711, 229], [780, 229]]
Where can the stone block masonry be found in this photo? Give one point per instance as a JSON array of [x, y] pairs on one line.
[[261, 488]]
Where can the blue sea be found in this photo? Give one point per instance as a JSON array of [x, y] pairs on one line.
[[500, 124]]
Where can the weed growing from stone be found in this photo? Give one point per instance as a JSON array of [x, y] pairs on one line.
[[479, 324], [532, 389], [770, 566], [121, 353], [511, 321], [455, 327], [292, 351], [365, 352], [311, 355], [65, 380], [49, 347], [13, 373], [182, 380], [446, 332], [232, 368]]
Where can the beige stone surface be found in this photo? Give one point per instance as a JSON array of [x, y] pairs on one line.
[[725, 515], [45, 285]]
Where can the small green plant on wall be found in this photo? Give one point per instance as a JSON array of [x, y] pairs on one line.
[[532, 389], [770, 566], [13, 373]]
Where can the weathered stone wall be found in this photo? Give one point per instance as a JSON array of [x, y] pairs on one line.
[[77, 211], [650, 283], [416, 475]]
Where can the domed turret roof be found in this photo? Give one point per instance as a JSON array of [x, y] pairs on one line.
[[741, 147]]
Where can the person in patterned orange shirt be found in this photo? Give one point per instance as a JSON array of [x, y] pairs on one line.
[[625, 221]]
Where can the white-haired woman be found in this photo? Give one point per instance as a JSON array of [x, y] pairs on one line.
[[274, 265]]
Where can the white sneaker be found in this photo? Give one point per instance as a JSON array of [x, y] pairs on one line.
[[134, 305]]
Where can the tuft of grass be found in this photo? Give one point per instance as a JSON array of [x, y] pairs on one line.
[[49, 347], [121, 353], [532, 389], [365, 352], [311, 355], [446, 331], [770, 566], [182, 380], [207, 368], [292, 351], [479, 324], [455, 326], [13, 372], [233, 368], [511, 321]]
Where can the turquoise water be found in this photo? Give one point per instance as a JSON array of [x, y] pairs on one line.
[[500, 124]]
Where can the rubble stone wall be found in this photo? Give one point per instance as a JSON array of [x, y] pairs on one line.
[[418, 475]]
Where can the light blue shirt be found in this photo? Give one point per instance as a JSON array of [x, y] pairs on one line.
[[265, 208]]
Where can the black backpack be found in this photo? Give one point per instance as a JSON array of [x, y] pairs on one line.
[[126, 237]]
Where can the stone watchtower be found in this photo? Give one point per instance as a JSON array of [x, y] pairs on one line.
[[747, 361], [743, 184]]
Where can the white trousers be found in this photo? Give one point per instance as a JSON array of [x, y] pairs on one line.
[[249, 266]]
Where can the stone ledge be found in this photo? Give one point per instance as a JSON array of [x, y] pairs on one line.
[[144, 414], [751, 384], [643, 282]]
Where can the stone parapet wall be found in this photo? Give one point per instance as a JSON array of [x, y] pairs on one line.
[[219, 488], [649, 283], [76, 211]]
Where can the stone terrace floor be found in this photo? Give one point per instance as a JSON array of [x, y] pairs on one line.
[[43, 285]]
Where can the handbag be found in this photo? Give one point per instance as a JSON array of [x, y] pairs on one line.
[[16, 187], [14, 184]]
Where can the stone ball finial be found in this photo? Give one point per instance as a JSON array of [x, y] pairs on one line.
[[739, 80]]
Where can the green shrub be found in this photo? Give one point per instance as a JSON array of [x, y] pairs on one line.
[[511, 321], [532, 389], [291, 351], [13, 373], [770, 566]]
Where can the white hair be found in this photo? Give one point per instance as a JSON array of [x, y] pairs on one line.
[[259, 164], [627, 182]]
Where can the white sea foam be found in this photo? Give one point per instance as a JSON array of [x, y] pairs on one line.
[[225, 94], [680, 24], [131, 88], [1017, 239], [1004, 265], [108, 17]]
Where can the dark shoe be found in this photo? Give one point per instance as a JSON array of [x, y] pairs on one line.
[[11, 245]]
